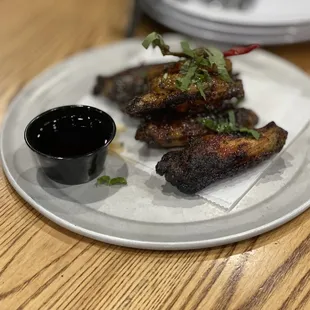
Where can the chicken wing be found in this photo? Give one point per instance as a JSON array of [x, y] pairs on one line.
[[215, 157], [163, 94], [125, 85], [175, 130]]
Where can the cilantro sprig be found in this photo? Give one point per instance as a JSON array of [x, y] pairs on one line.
[[198, 62], [228, 126], [156, 39], [216, 58]]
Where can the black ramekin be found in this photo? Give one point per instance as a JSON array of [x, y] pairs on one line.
[[76, 168]]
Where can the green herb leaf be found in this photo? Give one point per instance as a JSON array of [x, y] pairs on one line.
[[118, 181], [156, 39], [252, 132], [197, 63], [232, 118], [216, 57], [201, 89], [205, 75], [207, 122], [204, 62], [223, 126], [103, 180], [187, 50], [185, 67], [184, 82], [108, 181]]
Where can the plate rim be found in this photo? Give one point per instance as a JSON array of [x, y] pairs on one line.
[[153, 245]]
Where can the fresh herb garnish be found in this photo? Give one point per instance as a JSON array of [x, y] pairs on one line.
[[252, 132], [201, 89], [184, 82], [232, 118], [156, 39], [105, 179], [216, 58], [118, 181], [187, 50], [223, 126], [196, 67]]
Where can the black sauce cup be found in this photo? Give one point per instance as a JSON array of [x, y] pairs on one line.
[[71, 142]]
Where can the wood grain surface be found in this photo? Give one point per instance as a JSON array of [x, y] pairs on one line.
[[43, 266]]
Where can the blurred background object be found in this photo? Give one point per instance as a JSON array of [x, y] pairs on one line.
[[230, 21]]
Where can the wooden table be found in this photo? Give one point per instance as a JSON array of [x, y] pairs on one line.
[[43, 266]]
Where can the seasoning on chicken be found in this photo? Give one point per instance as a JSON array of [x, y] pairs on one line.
[[176, 130], [164, 95], [215, 157]]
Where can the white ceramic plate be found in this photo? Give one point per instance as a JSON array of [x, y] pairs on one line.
[[191, 26], [148, 213], [214, 25], [260, 13]]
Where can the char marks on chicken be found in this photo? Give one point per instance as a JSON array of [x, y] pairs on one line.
[[125, 85], [215, 157]]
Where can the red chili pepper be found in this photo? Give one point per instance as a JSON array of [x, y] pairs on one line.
[[240, 50]]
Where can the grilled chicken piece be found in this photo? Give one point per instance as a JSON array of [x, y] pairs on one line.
[[215, 157], [175, 130], [163, 94], [125, 85]]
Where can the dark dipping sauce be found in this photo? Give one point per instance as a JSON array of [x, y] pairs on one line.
[[71, 142]]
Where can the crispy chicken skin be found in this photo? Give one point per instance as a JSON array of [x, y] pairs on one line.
[[125, 85], [163, 94], [177, 130], [215, 157]]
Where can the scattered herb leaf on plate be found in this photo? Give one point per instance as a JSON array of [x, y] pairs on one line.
[[106, 180]]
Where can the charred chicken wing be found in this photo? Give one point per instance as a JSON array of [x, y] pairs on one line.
[[163, 94], [125, 85], [215, 157]]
